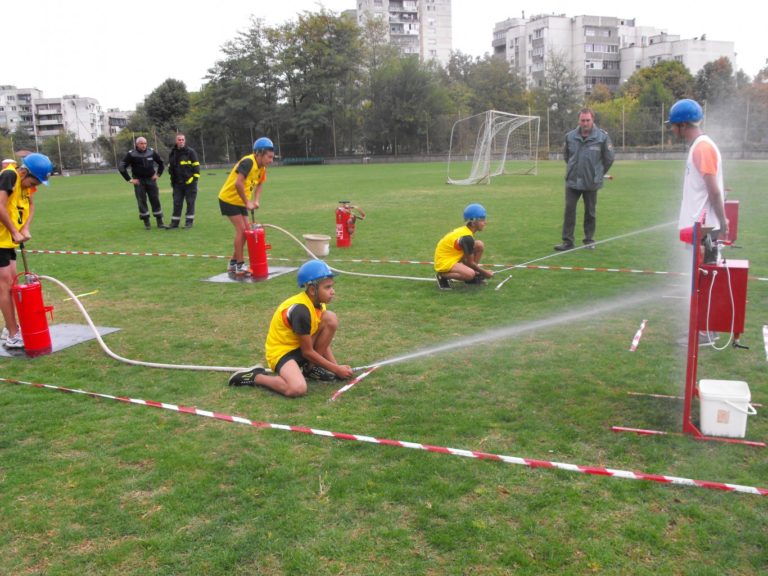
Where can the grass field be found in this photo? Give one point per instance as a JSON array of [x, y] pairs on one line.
[[92, 486]]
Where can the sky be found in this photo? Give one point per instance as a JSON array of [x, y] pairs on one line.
[[118, 54]]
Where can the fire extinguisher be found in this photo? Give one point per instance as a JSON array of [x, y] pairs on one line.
[[346, 216], [256, 239], [31, 310]]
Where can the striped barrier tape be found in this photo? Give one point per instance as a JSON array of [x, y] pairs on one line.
[[349, 385], [765, 340], [638, 335], [377, 261], [530, 463]]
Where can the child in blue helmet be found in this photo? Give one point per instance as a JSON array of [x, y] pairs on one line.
[[16, 212], [241, 192], [299, 340], [458, 254]]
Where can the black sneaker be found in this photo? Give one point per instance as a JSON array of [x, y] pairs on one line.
[[318, 373], [246, 377], [479, 279], [442, 282], [564, 246], [589, 244]]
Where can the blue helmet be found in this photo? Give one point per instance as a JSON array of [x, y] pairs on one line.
[[39, 165], [684, 111], [313, 271], [262, 144], [474, 212]]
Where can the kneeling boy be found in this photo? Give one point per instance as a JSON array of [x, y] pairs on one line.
[[457, 255], [299, 340]]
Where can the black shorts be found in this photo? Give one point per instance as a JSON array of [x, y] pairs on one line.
[[6, 256], [292, 355], [228, 209]]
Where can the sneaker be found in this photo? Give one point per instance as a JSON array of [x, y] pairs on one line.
[[188, 224], [318, 373], [4, 335], [589, 244], [564, 246], [14, 341], [232, 267], [479, 279], [242, 269], [246, 377], [442, 282]]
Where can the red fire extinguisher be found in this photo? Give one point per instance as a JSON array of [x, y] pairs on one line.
[[31, 310], [346, 216], [257, 250]]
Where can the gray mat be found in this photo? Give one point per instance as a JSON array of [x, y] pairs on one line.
[[274, 272], [62, 336]]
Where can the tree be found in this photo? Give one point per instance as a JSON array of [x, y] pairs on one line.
[[23, 140], [561, 94], [496, 87], [167, 104], [672, 75], [66, 151]]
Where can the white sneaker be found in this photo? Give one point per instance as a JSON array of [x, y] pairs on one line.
[[14, 341]]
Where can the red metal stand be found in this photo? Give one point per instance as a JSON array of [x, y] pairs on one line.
[[698, 320]]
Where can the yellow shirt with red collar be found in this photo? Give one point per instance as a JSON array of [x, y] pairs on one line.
[[17, 205], [281, 338], [253, 177], [449, 251]]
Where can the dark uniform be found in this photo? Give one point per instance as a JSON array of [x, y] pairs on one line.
[[184, 169], [142, 166]]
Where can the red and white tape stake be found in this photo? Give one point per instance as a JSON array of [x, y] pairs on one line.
[[638, 335], [349, 385], [593, 470], [765, 340]]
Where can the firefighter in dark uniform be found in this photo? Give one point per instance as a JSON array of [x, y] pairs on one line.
[[184, 170], [141, 160]]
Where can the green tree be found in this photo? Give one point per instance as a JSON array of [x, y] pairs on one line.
[[673, 76], [23, 140], [496, 87], [66, 151], [561, 95], [167, 104]]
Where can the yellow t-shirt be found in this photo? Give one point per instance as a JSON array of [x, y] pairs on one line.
[[281, 338], [255, 176], [448, 251], [17, 206]]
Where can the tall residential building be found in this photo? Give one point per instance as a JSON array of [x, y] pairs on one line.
[[599, 49], [16, 107], [80, 116], [418, 27]]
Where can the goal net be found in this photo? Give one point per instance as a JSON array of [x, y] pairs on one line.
[[491, 144]]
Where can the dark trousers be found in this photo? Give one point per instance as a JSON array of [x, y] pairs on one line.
[[147, 189], [181, 193], [590, 214]]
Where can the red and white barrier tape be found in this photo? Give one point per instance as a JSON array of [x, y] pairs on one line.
[[349, 385], [376, 261], [765, 340], [592, 470], [638, 335]]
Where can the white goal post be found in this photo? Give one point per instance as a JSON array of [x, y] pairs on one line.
[[496, 143]]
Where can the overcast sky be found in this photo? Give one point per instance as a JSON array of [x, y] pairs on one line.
[[118, 52]]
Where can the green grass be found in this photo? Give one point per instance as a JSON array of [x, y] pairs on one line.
[[92, 486]]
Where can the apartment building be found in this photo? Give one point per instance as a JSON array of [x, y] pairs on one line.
[[600, 49], [418, 27]]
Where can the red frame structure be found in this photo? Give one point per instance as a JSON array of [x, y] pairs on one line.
[[698, 270]]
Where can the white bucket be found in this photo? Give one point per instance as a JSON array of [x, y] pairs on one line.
[[318, 243], [724, 407]]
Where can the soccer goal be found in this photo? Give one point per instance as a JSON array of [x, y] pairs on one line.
[[491, 144]]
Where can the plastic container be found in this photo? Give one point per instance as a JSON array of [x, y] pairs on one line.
[[319, 244], [724, 407]]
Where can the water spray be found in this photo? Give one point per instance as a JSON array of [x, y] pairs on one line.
[[519, 329], [590, 246]]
